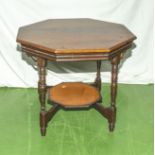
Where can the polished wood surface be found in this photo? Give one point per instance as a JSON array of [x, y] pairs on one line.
[[75, 36], [75, 40], [74, 94], [98, 80], [31, 51], [42, 93]]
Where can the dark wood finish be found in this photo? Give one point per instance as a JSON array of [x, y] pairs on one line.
[[42, 93], [105, 112], [75, 40], [74, 57], [46, 116], [51, 112], [98, 75], [63, 36], [115, 61], [74, 94]]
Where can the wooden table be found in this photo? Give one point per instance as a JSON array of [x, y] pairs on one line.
[[75, 40]]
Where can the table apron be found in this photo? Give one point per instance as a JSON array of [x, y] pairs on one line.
[[75, 57]]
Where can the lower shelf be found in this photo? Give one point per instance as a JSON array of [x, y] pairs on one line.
[[74, 94]]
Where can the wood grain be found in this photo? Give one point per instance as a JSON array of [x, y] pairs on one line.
[[75, 40], [74, 94], [74, 36]]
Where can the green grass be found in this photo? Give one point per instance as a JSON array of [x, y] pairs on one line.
[[77, 132]]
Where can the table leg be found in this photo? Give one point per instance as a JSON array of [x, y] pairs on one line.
[[42, 93], [98, 75], [114, 72]]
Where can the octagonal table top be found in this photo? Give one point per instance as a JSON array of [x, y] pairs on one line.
[[84, 35]]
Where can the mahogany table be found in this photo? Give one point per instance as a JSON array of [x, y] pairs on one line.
[[75, 40]]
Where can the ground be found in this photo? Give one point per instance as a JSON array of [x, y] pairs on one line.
[[77, 132]]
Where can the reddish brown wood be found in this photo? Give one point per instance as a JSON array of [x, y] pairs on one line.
[[105, 112], [51, 112], [74, 94], [98, 75], [74, 57], [110, 112], [75, 40], [42, 93], [62, 36], [114, 61]]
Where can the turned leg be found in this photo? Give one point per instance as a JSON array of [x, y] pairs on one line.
[[114, 72], [42, 93], [98, 75]]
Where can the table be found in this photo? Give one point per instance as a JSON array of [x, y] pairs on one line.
[[75, 40]]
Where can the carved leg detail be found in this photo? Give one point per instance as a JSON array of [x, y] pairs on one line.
[[114, 72], [42, 93], [98, 76]]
